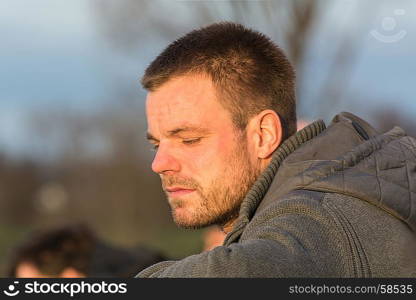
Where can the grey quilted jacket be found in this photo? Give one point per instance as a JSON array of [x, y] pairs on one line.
[[334, 202]]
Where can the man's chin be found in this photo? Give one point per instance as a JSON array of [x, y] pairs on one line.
[[184, 219]]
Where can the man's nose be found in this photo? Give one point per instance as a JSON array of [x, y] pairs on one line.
[[164, 161]]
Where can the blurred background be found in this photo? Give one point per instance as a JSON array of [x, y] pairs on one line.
[[72, 120]]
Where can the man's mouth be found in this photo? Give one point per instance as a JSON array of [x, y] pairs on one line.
[[178, 191]]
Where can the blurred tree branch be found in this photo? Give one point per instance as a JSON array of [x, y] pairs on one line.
[[129, 25]]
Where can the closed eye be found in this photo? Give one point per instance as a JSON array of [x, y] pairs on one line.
[[191, 141]]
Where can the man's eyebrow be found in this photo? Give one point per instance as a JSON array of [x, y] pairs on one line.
[[179, 130]]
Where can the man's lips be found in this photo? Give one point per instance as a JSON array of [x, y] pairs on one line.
[[178, 191]]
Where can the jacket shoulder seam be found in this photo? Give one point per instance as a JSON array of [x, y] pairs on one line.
[[360, 263]]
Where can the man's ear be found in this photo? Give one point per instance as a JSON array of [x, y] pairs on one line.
[[267, 133]]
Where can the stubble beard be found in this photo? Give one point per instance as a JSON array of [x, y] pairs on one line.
[[219, 201]]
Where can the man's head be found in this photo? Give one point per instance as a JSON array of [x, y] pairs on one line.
[[221, 99]]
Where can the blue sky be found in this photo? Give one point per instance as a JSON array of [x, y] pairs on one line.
[[52, 55]]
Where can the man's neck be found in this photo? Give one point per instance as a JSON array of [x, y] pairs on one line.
[[227, 227]]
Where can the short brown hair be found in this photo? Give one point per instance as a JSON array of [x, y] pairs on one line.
[[250, 72]]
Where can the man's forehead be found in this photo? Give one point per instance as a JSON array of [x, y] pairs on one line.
[[175, 106], [185, 105], [182, 91]]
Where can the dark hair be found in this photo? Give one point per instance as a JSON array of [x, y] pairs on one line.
[[53, 250], [250, 72]]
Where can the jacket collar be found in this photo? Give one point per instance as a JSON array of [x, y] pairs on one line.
[[262, 184]]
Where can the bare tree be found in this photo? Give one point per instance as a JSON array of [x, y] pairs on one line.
[[130, 25]]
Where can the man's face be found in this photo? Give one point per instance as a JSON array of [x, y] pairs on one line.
[[202, 159]]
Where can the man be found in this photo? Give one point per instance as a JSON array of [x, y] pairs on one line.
[[322, 202], [73, 251]]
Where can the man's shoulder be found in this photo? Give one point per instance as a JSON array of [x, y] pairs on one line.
[[295, 202], [301, 204], [311, 218], [299, 214]]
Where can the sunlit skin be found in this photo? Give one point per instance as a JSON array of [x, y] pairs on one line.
[[205, 163], [212, 238], [29, 270]]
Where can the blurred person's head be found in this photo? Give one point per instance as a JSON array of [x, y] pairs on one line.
[[220, 101], [75, 251], [59, 252]]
